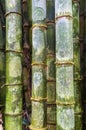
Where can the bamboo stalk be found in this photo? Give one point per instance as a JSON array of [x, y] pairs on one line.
[[64, 65], [84, 15], [39, 104], [13, 109], [77, 67], [2, 66], [26, 66], [51, 85]]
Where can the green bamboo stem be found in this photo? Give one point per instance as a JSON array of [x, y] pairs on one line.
[[64, 65], [13, 108], [51, 84], [39, 104], [77, 67]]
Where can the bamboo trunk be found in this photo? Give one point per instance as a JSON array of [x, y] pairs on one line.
[[2, 75], [51, 85], [64, 65], [77, 67], [2, 65], [39, 104], [13, 109], [26, 66], [84, 90]]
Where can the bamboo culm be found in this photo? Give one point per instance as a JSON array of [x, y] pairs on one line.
[[13, 108], [39, 102], [64, 65], [51, 79]]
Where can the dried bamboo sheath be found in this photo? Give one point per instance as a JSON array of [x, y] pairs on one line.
[[13, 109], [64, 65], [51, 84], [39, 104]]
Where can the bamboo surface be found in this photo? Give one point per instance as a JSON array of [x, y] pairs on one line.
[[39, 96], [64, 65], [77, 67], [51, 79], [13, 109]]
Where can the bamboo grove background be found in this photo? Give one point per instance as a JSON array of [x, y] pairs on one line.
[[43, 64]]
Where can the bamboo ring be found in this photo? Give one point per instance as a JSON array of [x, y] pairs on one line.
[[11, 85], [39, 25], [51, 80], [38, 64], [78, 113], [50, 22], [67, 15], [65, 103], [14, 12], [38, 99], [12, 114], [14, 51], [32, 128]]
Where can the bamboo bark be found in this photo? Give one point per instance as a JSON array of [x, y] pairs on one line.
[[13, 108], [51, 84], [64, 65], [77, 67], [39, 104]]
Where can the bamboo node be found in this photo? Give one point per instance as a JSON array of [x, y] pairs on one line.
[[63, 15], [65, 103], [13, 12], [14, 51], [32, 128], [39, 25], [12, 114], [40, 99], [78, 113], [50, 22], [11, 85], [51, 80], [64, 63], [39, 64]]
